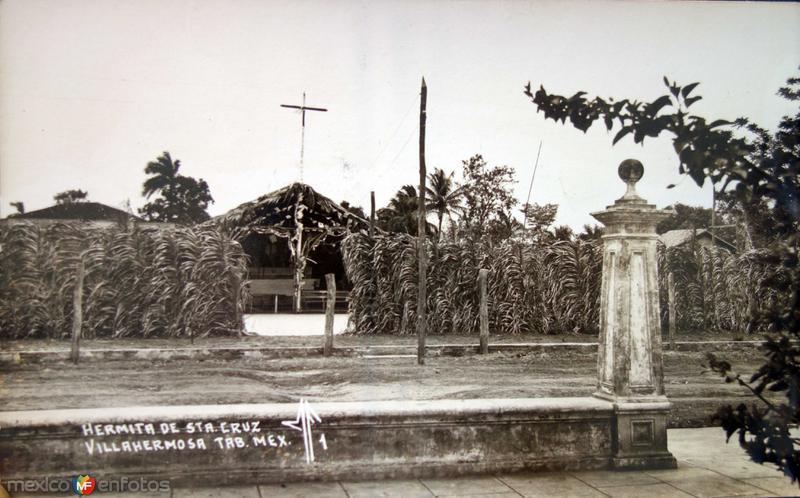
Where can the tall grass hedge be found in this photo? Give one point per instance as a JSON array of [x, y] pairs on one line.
[[177, 282], [547, 289], [718, 290], [543, 288]]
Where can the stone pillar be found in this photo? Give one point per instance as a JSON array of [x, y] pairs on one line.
[[630, 373]]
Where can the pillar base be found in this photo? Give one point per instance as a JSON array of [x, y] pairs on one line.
[[639, 433], [645, 462]]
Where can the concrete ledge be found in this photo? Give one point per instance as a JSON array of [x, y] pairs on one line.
[[249, 443]]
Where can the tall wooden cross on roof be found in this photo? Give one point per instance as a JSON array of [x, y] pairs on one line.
[[303, 108]]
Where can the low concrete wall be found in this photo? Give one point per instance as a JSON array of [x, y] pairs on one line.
[[249, 443]]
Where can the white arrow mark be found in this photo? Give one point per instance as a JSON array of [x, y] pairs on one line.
[[305, 417]]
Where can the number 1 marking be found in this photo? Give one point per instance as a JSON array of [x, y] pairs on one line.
[[323, 442]]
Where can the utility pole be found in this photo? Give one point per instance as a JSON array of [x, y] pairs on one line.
[[303, 108], [421, 222], [530, 189], [714, 226], [713, 212], [528, 202], [372, 215]]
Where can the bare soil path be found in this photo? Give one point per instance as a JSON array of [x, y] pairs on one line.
[[695, 394], [346, 340]]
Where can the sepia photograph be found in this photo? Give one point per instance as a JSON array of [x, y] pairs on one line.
[[399, 248]]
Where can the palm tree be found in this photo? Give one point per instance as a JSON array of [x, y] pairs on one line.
[[183, 199], [442, 196], [401, 213], [164, 171]]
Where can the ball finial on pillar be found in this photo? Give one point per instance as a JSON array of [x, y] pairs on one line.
[[631, 171]]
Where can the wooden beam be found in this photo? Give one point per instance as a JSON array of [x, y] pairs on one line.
[[299, 260]]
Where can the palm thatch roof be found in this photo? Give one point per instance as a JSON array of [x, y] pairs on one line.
[[280, 212]]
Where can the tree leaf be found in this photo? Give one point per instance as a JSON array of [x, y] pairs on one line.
[[624, 131], [688, 89], [698, 176], [659, 103], [692, 100]]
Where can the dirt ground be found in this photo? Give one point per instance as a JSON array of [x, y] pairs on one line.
[[695, 394], [340, 340]]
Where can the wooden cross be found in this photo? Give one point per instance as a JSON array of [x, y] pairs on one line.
[[303, 108]]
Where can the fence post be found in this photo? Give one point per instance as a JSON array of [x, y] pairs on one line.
[[235, 282], [404, 318], [671, 303], [484, 311], [77, 313], [330, 304]]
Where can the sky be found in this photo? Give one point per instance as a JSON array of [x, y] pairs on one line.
[[92, 90]]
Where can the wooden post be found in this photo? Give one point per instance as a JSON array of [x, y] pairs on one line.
[[330, 304], [751, 313], [421, 222], [299, 267], [404, 318], [482, 278], [671, 304], [235, 281], [276, 303], [372, 214], [77, 313]]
